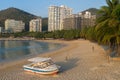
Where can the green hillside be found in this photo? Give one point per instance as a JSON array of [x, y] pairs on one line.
[[93, 11], [17, 14]]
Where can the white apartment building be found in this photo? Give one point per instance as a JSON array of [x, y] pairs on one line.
[[56, 16], [35, 25], [12, 25]]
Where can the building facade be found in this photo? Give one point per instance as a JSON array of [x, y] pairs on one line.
[[56, 16], [1, 29], [35, 25], [13, 26], [72, 22], [87, 19], [79, 21]]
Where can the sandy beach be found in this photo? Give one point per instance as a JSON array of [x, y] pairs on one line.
[[78, 61]]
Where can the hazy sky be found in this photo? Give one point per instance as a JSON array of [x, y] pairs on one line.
[[40, 7]]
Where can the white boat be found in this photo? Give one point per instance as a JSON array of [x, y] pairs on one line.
[[42, 66]]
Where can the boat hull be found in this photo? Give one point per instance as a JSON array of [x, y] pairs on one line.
[[40, 71]]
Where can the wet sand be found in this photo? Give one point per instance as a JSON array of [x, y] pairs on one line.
[[78, 61]]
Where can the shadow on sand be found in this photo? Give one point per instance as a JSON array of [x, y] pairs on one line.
[[67, 64]]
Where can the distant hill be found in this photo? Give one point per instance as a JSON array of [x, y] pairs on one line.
[[93, 11], [17, 14]]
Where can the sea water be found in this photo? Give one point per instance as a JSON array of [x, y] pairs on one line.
[[16, 49]]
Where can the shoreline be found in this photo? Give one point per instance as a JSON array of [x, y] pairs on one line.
[[16, 39], [8, 63], [77, 60]]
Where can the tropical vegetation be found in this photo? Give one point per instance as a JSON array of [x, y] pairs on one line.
[[107, 29], [108, 25], [63, 34]]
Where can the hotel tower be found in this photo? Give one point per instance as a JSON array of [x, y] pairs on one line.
[[56, 16]]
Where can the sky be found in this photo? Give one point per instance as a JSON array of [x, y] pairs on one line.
[[40, 7]]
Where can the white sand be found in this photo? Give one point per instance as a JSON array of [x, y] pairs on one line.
[[78, 62]]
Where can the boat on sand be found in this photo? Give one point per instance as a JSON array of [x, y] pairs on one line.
[[41, 65]]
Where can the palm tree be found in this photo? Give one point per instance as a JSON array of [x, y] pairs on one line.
[[108, 24]]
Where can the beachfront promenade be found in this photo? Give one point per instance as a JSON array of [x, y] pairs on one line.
[[78, 61]]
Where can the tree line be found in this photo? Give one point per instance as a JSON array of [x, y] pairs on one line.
[[59, 34]]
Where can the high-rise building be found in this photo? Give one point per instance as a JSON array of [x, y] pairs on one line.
[[56, 16], [87, 19], [72, 22], [12, 25], [35, 25]]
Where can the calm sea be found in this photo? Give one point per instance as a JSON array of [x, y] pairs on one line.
[[10, 50]]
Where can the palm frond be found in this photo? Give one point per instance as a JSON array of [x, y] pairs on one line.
[[102, 24], [109, 3]]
